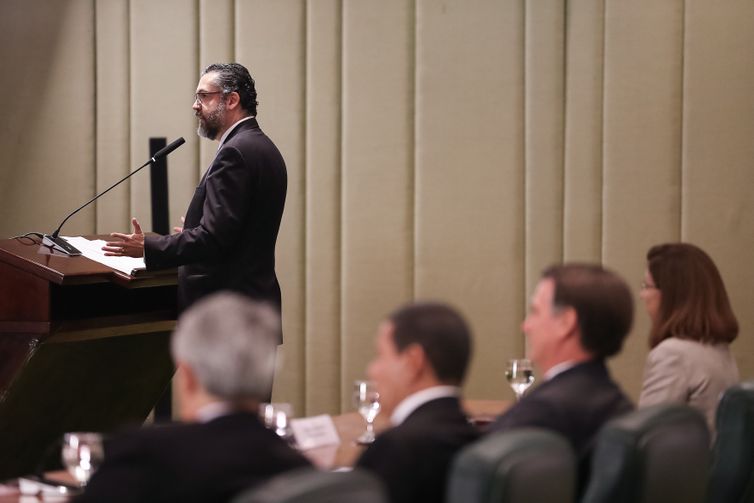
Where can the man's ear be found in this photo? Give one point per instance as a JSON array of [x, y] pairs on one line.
[[234, 100], [188, 391], [416, 359], [188, 378], [568, 321]]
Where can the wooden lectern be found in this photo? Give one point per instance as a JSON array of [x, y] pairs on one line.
[[82, 348]]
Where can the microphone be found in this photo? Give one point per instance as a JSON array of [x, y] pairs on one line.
[[163, 152], [60, 244]]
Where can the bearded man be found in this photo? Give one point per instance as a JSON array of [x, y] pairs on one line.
[[227, 241]]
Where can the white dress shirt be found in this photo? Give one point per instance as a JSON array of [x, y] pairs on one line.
[[231, 128], [559, 369], [416, 400], [212, 411]]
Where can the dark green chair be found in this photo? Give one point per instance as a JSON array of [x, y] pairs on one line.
[[658, 454], [732, 472], [308, 485], [519, 466]]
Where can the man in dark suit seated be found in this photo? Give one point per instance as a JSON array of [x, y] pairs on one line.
[[224, 349], [423, 351], [578, 317]]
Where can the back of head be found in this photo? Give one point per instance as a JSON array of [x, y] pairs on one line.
[[234, 77], [693, 301], [441, 332], [602, 301], [229, 341]]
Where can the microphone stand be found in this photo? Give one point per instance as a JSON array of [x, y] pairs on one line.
[[55, 242]]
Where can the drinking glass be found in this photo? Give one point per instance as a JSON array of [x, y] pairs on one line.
[[276, 416], [520, 375], [82, 454], [367, 402]]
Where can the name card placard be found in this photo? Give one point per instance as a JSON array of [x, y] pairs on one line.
[[315, 431]]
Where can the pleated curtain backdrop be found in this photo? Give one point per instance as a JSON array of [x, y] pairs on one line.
[[444, 149]]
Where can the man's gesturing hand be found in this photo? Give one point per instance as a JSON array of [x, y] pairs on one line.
[[129, 245]]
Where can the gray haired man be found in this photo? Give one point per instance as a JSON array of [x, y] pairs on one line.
[[224, 350]]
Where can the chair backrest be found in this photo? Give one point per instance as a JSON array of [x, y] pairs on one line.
[[524, 465], [308, 485], [732, 472], [657, 454]]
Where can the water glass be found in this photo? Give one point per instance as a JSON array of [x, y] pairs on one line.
[[366, 399], [276, 416], [82, 454], [520, 375]]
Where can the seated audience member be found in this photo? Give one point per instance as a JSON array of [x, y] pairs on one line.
[[692, 325], [423, 352], [579, 316], [224, 349]]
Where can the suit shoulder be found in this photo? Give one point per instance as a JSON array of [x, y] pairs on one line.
[[250, 138], [150, 437]]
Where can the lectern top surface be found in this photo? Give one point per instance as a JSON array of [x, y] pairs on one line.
[[30, 256]]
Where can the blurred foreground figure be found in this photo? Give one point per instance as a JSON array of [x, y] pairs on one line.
[[423, 351], [578, 317], [224, 350], [692, 326]]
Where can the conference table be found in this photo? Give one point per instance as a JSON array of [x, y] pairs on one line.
[[332, 457], [351, 425]]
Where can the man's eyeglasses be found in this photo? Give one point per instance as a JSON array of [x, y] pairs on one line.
[[201, 96]]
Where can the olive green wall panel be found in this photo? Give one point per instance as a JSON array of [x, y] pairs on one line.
[[378, 172], [270, 41], [642, 145], [47, 135], [324, 359], [112, 118], [582, 164], [718, 151], [163, 57], [469, 190], [544, 102]]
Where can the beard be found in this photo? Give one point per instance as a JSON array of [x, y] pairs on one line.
[[211, 124]]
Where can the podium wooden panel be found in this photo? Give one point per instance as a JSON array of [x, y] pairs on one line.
[[82, 348]]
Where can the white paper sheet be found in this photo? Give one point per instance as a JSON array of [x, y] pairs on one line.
[[92, 249], [315, 431]]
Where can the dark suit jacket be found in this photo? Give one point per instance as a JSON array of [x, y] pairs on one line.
[[232, 223], [190, 462], [413, 458], [575, 403]]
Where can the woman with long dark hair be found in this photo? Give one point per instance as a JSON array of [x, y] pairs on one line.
[[692, 327]]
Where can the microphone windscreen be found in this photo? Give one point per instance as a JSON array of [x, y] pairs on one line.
[[169, 148]]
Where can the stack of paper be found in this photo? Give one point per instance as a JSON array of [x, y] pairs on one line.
[[92, 249]]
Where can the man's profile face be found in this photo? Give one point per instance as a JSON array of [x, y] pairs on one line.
[[388, 370], [541, 323], [210, 107]]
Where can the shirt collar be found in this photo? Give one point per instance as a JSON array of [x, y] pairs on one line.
[[559, 369], [230, 129], [212, 411], [412, 402]]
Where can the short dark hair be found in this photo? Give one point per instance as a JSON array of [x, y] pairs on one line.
[[603, 303], [441, 332], [234, 77], [693, 301]]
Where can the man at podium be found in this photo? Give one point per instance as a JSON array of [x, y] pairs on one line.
[[231, 225]]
